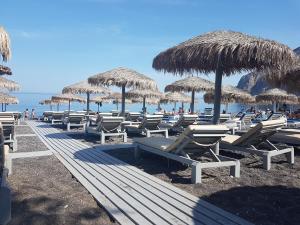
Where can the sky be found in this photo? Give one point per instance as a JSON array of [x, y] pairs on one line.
[[59, 42]]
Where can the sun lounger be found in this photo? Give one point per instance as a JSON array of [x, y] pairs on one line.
[[183, 122], [276, 116], [224, 117], [75, 120], [255, 141], [133, 116], [15, 115], [293, 123], [287, 136], [149, 125], [196, 139], [57, 117], [108, 126], [47, 115], [8, 125]]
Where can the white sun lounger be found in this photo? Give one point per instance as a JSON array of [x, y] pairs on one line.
[[57, 117], [133, 116], [183, 122], [196, 139], [75, 120], [108, 126], [149, 125], [252, 141], [8, 125]]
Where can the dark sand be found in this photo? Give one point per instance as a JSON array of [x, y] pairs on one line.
[[44, 192]]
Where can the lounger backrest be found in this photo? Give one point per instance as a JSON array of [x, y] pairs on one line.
[[208, 111], [110, 123], [275, 116], [76, 118], [115, 112], [57, 115], [205, 135], [105, 114], [6, 114], [185, 120], [150, 122], [247, 118], [224, 117], [47, 113], [133, 116], [259, 132]]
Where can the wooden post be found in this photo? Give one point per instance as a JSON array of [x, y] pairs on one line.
[[144, 104], [50, 107], [226, 107], [2, 107], [5, 107], [123, 100], [274, 107], [193, 102], [182, 106], [98, 103], [217, 100], [88, 103], [175, 106], [69, 106]]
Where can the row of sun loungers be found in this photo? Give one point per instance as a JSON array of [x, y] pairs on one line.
[[8, 121]]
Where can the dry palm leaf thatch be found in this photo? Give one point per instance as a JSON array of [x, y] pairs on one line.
[[147, 93], [8, 99], [45, 102], [68, 97], [175, 97], [190, 84], [276, 95], [4, 70], [209, 98], [150, 101], [101, 99], [233, 51], [84, 87], [237, 95], [224, 52], [4, 45], [9, 84], [123, 77]]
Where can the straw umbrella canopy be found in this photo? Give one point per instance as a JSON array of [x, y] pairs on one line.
[[144, 94], [4, 70], [116, 98], [47, 102], [276, 95], [4, 45], [100, 99], [9, 84], [69, 98], [123, 77], [8, 99], [190, 84], [84, 87], [225, 53], [150, 101], [174, 97]]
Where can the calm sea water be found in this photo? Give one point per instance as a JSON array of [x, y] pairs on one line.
[[31, 101]]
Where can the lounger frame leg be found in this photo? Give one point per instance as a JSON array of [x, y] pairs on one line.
[[124, 137], [102, 137], [148, 134], [235, 170], [68, 126], [290, 157], [196, 173], [267, 162]]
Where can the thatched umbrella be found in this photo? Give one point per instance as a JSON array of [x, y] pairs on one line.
[[47, 102], [116, 98], [4, 70], [150, 101], [144, 94], [69, 98], [4, 45], [84, 87], [276, 95], [9, 84], [174, 97], [223, 52], [123, 77], [190, 84], [7, 99], [100, 99]]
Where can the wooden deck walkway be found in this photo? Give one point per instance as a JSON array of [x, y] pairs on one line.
[[130, 195]]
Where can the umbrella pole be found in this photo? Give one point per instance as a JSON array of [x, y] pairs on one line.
[[274, 106], [69, 106], [193, 102], [175, 106], [98, 106], [5, 107], [217, 100], [226, 107], [50, 107], [57, 107], [88, 103], [117, 103], [123, 99], [144, 105], [2, 107], [182, 105]]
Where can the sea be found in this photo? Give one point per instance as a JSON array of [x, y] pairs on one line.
[[30, 100]]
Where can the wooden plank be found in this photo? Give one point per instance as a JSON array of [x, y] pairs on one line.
[[154, 182], [16, 155]]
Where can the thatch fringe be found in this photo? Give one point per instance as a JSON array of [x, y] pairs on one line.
[[231, 51], [123, 76], [4, 70], [9, 84], [150, 101], [148, 93], [68, 97], [276, 95], [190, 84], [8, 99], [175, 97], [4, 45], [84, 87]]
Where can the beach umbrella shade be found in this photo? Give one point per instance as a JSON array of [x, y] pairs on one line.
[[144, 94], [5, 51], [9, 84], [4, 70], [190, 84], [7, 99], [69, 98], [47, 102], [174, 97], [225, 53], [276, 95], [100, 99], [116, 98], [84, 87], [123, 77]]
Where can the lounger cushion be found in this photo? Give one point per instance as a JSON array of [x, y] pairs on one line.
[[290, 131], [160, 143], [134, 126], [229, 139]]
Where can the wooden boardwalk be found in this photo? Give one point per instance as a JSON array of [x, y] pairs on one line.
[[129, 195]]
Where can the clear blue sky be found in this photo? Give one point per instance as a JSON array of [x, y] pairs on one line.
[[59, 42]]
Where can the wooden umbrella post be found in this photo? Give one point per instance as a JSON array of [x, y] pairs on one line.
[[217, 100], [69, 106], [193, 102], [88, 103], [144, 105], [123, 100]]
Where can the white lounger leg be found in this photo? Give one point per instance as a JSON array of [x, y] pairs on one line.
[[235, 170], [196, 173], [102, 137], [290, 157], [166, 133], [68, 126], [125, 137], [267, 162]]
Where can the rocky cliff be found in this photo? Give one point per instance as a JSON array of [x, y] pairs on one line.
[[254, 82]]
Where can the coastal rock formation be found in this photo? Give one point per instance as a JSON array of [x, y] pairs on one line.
[[254, 82]]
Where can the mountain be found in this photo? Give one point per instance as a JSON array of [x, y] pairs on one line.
[[254, 82]]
